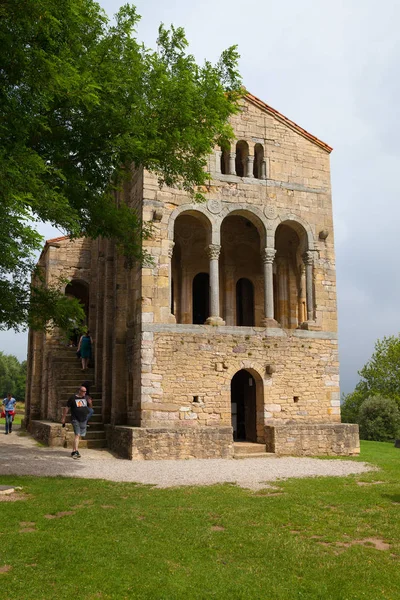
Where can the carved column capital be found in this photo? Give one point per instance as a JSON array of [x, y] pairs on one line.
[[171, 249], [213, 251], [268, 255], [250, 166], [308, 257]]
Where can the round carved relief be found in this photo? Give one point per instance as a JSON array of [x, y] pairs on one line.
[[214, 206], [270, 212]]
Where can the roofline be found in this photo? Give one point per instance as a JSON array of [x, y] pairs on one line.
[[57, 239], [260, 104]]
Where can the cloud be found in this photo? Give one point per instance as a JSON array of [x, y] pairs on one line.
[[333, 68]]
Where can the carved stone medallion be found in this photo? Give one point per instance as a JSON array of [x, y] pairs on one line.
[[270, 212], [214, 206]]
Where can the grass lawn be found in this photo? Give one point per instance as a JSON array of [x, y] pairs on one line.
[[310, 539]]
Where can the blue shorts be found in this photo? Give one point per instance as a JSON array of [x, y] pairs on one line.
[[79, 427]]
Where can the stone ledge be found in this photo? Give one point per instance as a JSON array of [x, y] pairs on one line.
[[148, 443], [182, 328], [313, 439], [48, 433]]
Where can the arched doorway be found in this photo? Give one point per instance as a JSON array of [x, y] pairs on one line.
[[80, 290], [244, 303], [201, 298], [243, 406]]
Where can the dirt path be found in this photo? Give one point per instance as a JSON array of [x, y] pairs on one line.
[[21, 455]]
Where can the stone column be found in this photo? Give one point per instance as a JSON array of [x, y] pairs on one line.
[[263, 169], [232, 165], [308, 258], [218, 157], [170, 253], [302, 289], [230, 294], [213, 254], [250, 166], [268, 256], [283, 292], [185, 294]]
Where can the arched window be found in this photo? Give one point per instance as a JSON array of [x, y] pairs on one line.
[[225, 159], [201, 298], [244, 303], [242, 152], [258, 161]]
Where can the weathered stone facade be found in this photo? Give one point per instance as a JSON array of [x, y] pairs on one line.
[[233, 323]]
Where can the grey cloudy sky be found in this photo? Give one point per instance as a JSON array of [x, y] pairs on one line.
[[333, 68]]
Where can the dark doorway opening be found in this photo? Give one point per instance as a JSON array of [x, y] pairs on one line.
[[244, 303], [201, 298], [243, 406], [80, 290]]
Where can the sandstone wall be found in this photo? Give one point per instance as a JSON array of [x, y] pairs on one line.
[[200, 361], [298, 439], [164, 444]]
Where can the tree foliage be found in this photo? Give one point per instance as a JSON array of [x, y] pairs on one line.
[[12, 376], [80, 100], [379, 419], [380, 376]]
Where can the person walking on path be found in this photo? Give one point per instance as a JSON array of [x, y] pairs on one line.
[[78, 404], [9, 408], [85, 348]]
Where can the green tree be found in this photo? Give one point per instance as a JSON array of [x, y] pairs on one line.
[[12, 376], [379, 419], [380, 376], [80, 101]]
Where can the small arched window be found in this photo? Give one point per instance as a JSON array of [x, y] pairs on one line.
[[258, 161], [242, 153], [225, 159]]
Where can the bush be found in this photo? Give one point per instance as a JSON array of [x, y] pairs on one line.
[[350, 406], [379, 419]]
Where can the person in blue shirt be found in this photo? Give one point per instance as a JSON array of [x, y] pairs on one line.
[[9, 408]]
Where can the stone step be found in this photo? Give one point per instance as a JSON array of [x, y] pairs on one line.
[[247, 448], [90, 444], [254, 455], [75, 381], [96, 419], [73, 389], [97, 434], [97, 402], [69, 358]]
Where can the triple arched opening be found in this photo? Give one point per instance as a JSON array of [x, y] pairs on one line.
[[243, 167], [241, 270]]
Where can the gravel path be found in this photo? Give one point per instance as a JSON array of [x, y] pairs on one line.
[[20, 455]]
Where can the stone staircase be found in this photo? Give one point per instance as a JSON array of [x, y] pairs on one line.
[[69, 380], [250, 450]]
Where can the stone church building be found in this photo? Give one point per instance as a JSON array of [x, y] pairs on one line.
[[229, 333]]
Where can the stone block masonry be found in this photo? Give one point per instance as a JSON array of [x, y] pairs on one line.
[[139, 443], [189, 384], [298, 439]]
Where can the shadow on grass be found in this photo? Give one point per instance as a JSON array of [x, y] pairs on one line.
[[392, 497]]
